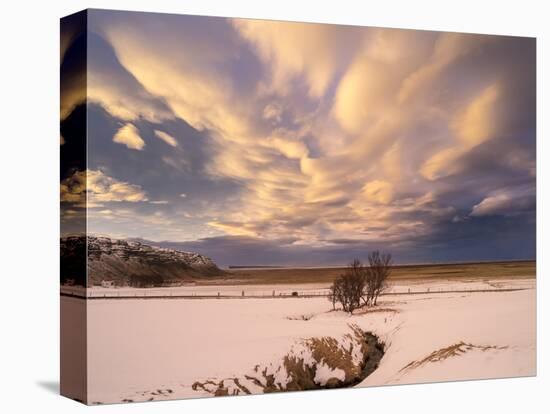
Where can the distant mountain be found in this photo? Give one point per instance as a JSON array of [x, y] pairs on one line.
[[130, 263]]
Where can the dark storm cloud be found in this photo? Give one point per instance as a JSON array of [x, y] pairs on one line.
[[476, 239], [73, 113]]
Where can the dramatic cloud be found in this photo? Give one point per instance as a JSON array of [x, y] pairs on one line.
[[380, 191], [364, 94], [472, 127], [447, 50], [93, 188], [169, 139], [195, 89], [505, 203], [110, 85], [293, 49], [73, 64], [337, 138], [129, 136]]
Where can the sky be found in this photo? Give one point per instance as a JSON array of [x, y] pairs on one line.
[[281, 143]]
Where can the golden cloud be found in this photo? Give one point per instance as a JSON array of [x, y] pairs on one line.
[[379, 191], [363, 94], [472, 126], [91, 188], [293, 49], [352, 157], [477, 123], [128, 135], [169, 139]]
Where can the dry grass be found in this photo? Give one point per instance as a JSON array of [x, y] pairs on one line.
[[366, 311], [222, 387], [449, 352], [268, 384], [300, 317], [473, 271], [301, 375]]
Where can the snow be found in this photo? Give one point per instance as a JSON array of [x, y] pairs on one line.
[[157, 348], [401, 286], [324, 373], [503, 321]]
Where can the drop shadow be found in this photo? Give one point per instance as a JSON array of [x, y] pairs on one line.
[[50, 386]]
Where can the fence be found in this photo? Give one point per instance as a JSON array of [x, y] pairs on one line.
[[168, 294]]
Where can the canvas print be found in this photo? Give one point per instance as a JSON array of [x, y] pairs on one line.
[[253, 206]]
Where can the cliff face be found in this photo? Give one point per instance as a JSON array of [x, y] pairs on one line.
[[129, 263]]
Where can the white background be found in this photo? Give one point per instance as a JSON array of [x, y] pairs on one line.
[[29, 223]]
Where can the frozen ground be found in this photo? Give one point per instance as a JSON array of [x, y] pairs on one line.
[[400, 286], [156, 349]]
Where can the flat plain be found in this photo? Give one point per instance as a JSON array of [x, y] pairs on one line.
[[325, 275]]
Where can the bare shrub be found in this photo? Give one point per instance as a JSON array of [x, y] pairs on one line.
[[361, 285], [349, 289], [378, 271]]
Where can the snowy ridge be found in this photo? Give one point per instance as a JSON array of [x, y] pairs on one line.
[[130, 263], [98, 246]]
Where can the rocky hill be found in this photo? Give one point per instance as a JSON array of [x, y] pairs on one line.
[[130, 263]]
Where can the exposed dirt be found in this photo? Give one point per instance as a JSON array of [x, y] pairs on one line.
[[301, 373]]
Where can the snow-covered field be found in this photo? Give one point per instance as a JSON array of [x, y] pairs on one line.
[[157, 348], [400, 286]]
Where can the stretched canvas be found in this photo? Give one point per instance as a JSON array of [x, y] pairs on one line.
[[253, 206]]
